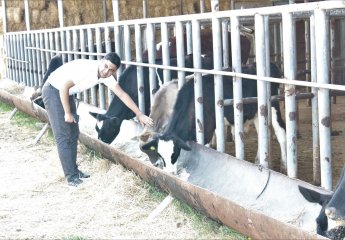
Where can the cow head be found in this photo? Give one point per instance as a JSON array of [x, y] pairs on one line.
[[163, 151], [331, 219], [109, 129]]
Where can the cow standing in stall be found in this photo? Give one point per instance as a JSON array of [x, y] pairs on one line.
[[181, 127], [111, 121], [331, 219]]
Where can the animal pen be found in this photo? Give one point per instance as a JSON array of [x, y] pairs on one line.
[[273, 33]]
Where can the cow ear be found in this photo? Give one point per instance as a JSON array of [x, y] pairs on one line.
[[313, 196], [93, 114]]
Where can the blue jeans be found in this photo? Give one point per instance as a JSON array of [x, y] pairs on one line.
[[66, 134]]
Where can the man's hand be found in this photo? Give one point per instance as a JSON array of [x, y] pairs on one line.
[[145, 120], [69, 117]]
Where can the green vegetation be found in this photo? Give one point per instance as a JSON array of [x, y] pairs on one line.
[[74, 238], [21, 118]]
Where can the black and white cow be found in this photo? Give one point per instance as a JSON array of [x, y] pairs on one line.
[[118, 111], [181, 127], [331, 219]]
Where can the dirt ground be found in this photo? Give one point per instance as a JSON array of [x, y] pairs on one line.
[[36, 203]]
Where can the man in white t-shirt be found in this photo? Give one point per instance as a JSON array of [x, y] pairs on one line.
[[57, 93]]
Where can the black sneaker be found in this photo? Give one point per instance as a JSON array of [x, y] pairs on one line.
[[83, 175], [74, 181]]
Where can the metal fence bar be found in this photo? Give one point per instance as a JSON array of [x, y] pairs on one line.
[[139, 58], [218, 82], [237, 85], [314, 106], [262, 89], [289, 49], [38, 60], [198, 95], [180, 52], [83, 44], [150, 31], [90, 45], [322, 66], [101, 90], [108, 48], [42, 55], [165, 51]]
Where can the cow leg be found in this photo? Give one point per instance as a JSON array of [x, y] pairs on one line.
[[256, 124], [280, 132], [213, 142]]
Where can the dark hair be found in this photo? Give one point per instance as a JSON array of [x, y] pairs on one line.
[[114, 58]]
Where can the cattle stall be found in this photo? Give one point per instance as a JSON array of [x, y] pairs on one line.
[[29, 53]]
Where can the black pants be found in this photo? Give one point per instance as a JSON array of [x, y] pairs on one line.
[[66, 134]]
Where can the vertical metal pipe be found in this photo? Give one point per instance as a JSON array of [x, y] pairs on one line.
[[218, 79], [262, 89], [290, 66], [108, 49], [189, 37], [26, 59], [90, 45], [60, 10], [314, 105], [30, 64], [237, 85], [127, 42], [139, 58], [75, 43], [43, 63], [52, 43], [322, 66], [63, 45], [180, 52], [47, 46], [20, 48], [38, 59], [15, 56], [69, 45], [151, 55], [268, 87], [34, 59], [165, 50], [332, 53], [307, 53], [117, 34], [27, 15], [8, 52], [198, 96], [83, 44], [225, 37], [101, 90], [75, 48]]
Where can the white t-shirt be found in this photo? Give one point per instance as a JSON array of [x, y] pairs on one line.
[[83, 73]]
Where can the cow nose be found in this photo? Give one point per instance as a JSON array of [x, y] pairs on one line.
[[330, 212]]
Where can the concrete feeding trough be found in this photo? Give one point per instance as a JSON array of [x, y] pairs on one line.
[[255, 201]]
